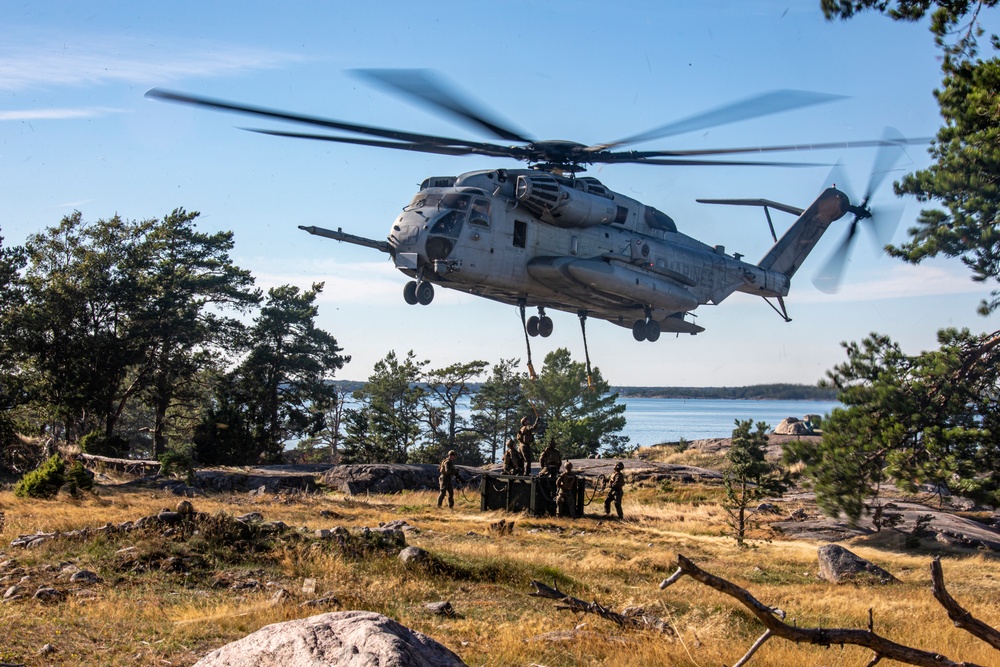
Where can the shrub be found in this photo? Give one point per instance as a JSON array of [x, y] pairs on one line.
[[176, 464], [78, 478], [44, 481]]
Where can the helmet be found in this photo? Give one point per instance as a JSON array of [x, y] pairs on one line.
[[524, 421], [569, 465], [619, 466]]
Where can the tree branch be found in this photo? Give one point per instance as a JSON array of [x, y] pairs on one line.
[[631, 622], [959, 616], [882, 647]]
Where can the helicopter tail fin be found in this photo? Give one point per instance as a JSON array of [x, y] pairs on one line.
[[787, 255]]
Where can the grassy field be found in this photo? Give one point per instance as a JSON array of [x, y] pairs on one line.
[[169, 600]]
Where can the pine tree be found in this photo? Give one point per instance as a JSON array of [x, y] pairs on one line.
[[749, 477]]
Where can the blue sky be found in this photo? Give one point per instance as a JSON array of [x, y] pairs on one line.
[[77, 134]]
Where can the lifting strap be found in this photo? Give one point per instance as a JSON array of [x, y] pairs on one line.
[[586, 354], [527, 344]]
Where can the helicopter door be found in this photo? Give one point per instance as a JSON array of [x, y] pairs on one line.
[[477, 242]]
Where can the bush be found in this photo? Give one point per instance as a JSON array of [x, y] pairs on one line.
[[44, 481], [78, 478], [176, 464], [99, 444]]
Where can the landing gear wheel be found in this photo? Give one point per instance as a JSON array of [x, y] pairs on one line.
[[545, 326], [410, 293], [639, 330], [425, 293], [652, 330], [532, 326]]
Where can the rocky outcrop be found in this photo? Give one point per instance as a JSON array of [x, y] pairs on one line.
[[792, 426], [838, 565], [339, 639], [389, 477]]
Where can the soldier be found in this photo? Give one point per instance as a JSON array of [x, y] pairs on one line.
[[513, 464], [615, 493], [566, 491], [447, 473], [550, 460], [525, 439]]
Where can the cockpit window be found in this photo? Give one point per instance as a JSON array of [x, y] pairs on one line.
[[480, 214], [449, 224], [440, 201]]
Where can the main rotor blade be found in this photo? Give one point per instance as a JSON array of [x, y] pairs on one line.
[[423, 86], [752, 107], [773, 149], [626, 159], [222, 105], [408, 146]]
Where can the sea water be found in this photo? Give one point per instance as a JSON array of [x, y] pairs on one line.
[[650, 421]]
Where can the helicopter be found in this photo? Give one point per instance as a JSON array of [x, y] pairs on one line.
[[547, 238]]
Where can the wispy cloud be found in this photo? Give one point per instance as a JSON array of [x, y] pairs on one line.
[[57, 114], [900, 282], [54, 62]]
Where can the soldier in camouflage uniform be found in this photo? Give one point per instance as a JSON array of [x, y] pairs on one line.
[[566, 492], [513, 464], [447, 473], [616, 484], [550, 460], [525, 439]]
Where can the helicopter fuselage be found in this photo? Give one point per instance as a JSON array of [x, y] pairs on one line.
[[532, 238]]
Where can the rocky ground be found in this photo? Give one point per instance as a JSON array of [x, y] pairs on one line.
[[953, 521]]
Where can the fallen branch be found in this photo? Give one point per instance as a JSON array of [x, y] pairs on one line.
[[771, 618], [640, 621], [959, 616]]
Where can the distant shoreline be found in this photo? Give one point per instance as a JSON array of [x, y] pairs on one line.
[[762, 392], [757, 392]]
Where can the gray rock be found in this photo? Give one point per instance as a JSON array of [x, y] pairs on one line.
[[413, 555], [838, 565], [768, 508], [47, 594], [169, 517], [792, 426], [442, 608], [13, 592], [85, 577], [251, 517], [338, 639]]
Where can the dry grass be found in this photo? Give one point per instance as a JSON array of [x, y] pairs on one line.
[[152, 617]]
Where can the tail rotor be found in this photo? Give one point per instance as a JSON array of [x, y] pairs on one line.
[[882, 220]]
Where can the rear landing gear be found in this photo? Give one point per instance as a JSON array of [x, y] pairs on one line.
[[414, 293], [647, 329]]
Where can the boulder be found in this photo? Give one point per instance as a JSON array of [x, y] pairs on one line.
[[792, 426], [347, 639], [838, 565], [413, 555]]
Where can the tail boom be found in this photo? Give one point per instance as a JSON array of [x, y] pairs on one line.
[[787, 255]]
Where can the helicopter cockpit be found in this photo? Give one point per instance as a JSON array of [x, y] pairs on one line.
[[444, 214]]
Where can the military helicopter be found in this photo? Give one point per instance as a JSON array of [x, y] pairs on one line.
[[547, 238]]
